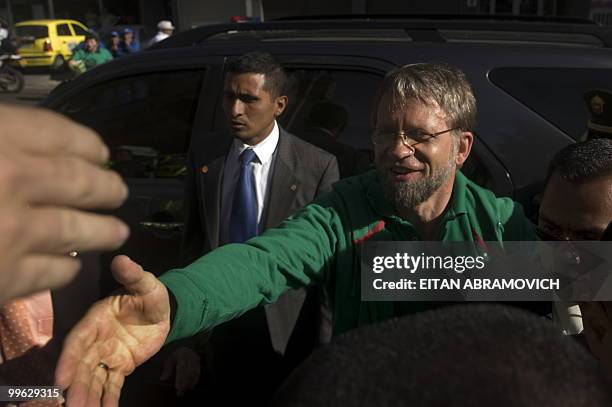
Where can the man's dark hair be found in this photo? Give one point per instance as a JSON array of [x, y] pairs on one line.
[[466, 355], [92, 36], [262, 63], [583, 161]]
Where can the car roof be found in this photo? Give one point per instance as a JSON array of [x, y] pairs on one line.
[[440, 29], [47, 22]]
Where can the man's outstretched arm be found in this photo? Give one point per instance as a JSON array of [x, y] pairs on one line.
[[235, 278], [121, 332]]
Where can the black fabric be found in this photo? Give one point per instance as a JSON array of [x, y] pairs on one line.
[[9, 45], [246, 368], [466, 355]]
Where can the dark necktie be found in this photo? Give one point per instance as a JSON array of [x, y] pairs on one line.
[[243, 223]]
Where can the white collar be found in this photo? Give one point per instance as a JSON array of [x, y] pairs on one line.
[[264, 149]]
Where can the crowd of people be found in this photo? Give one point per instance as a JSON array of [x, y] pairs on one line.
[[92, 52], [271, 256]]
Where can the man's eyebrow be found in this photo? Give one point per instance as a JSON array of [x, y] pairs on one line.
[[241, 95]]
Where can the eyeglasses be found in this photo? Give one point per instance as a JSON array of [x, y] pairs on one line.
[[386, 138]]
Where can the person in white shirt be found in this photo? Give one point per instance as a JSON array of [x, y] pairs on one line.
[[166, 29], [4, 33]]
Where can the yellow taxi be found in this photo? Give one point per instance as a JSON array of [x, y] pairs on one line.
[[48, 43]]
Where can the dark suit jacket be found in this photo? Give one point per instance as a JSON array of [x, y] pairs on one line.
[[300, 173]]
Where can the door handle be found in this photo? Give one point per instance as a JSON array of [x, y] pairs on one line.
[[163, 226]]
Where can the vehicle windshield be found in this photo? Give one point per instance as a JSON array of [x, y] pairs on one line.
[[36, 31]]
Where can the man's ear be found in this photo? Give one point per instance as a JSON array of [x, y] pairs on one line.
[[281, 103], [466, 140]]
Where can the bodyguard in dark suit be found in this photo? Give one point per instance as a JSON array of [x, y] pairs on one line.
[[238, 185]]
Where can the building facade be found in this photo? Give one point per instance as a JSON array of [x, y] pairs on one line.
[[186, 14]]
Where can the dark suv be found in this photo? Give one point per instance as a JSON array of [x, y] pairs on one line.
[[529, 78]]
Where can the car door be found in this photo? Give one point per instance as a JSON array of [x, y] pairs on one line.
[[65, 39], [146, 118]]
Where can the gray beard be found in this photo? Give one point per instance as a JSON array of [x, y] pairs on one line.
[[405, 196]]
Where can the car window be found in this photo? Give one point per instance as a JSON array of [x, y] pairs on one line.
[[146, 120], [327, 109], [310, 88], [35, 31], [78, 30], [63, 30], [557, 94]]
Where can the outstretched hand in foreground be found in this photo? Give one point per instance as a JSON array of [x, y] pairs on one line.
[[115, 336]]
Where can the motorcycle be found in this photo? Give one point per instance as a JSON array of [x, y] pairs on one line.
[[11, 80]]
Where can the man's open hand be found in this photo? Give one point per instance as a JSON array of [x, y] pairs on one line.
[[116, 335]]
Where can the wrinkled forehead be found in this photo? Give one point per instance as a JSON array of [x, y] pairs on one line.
[[393, 105]]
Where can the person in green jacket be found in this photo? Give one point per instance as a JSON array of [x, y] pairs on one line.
[[423, 118], [89, 55]]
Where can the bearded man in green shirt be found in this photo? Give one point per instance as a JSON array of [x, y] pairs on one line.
[[424, 115], [89, 55]]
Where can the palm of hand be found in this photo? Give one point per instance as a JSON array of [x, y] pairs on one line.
[[129, 331], [115, 336]]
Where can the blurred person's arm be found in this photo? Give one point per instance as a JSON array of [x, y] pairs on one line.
[[77, 62], [50, 174], [78, 55]]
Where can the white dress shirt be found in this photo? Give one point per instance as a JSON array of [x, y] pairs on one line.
[[265, 152], [160, 36]]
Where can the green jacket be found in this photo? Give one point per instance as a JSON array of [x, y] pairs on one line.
[[91, 59], [327, 235]]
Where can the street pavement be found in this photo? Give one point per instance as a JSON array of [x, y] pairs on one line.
[[37, 87]]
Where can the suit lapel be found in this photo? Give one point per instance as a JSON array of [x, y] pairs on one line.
[[284, 184]]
